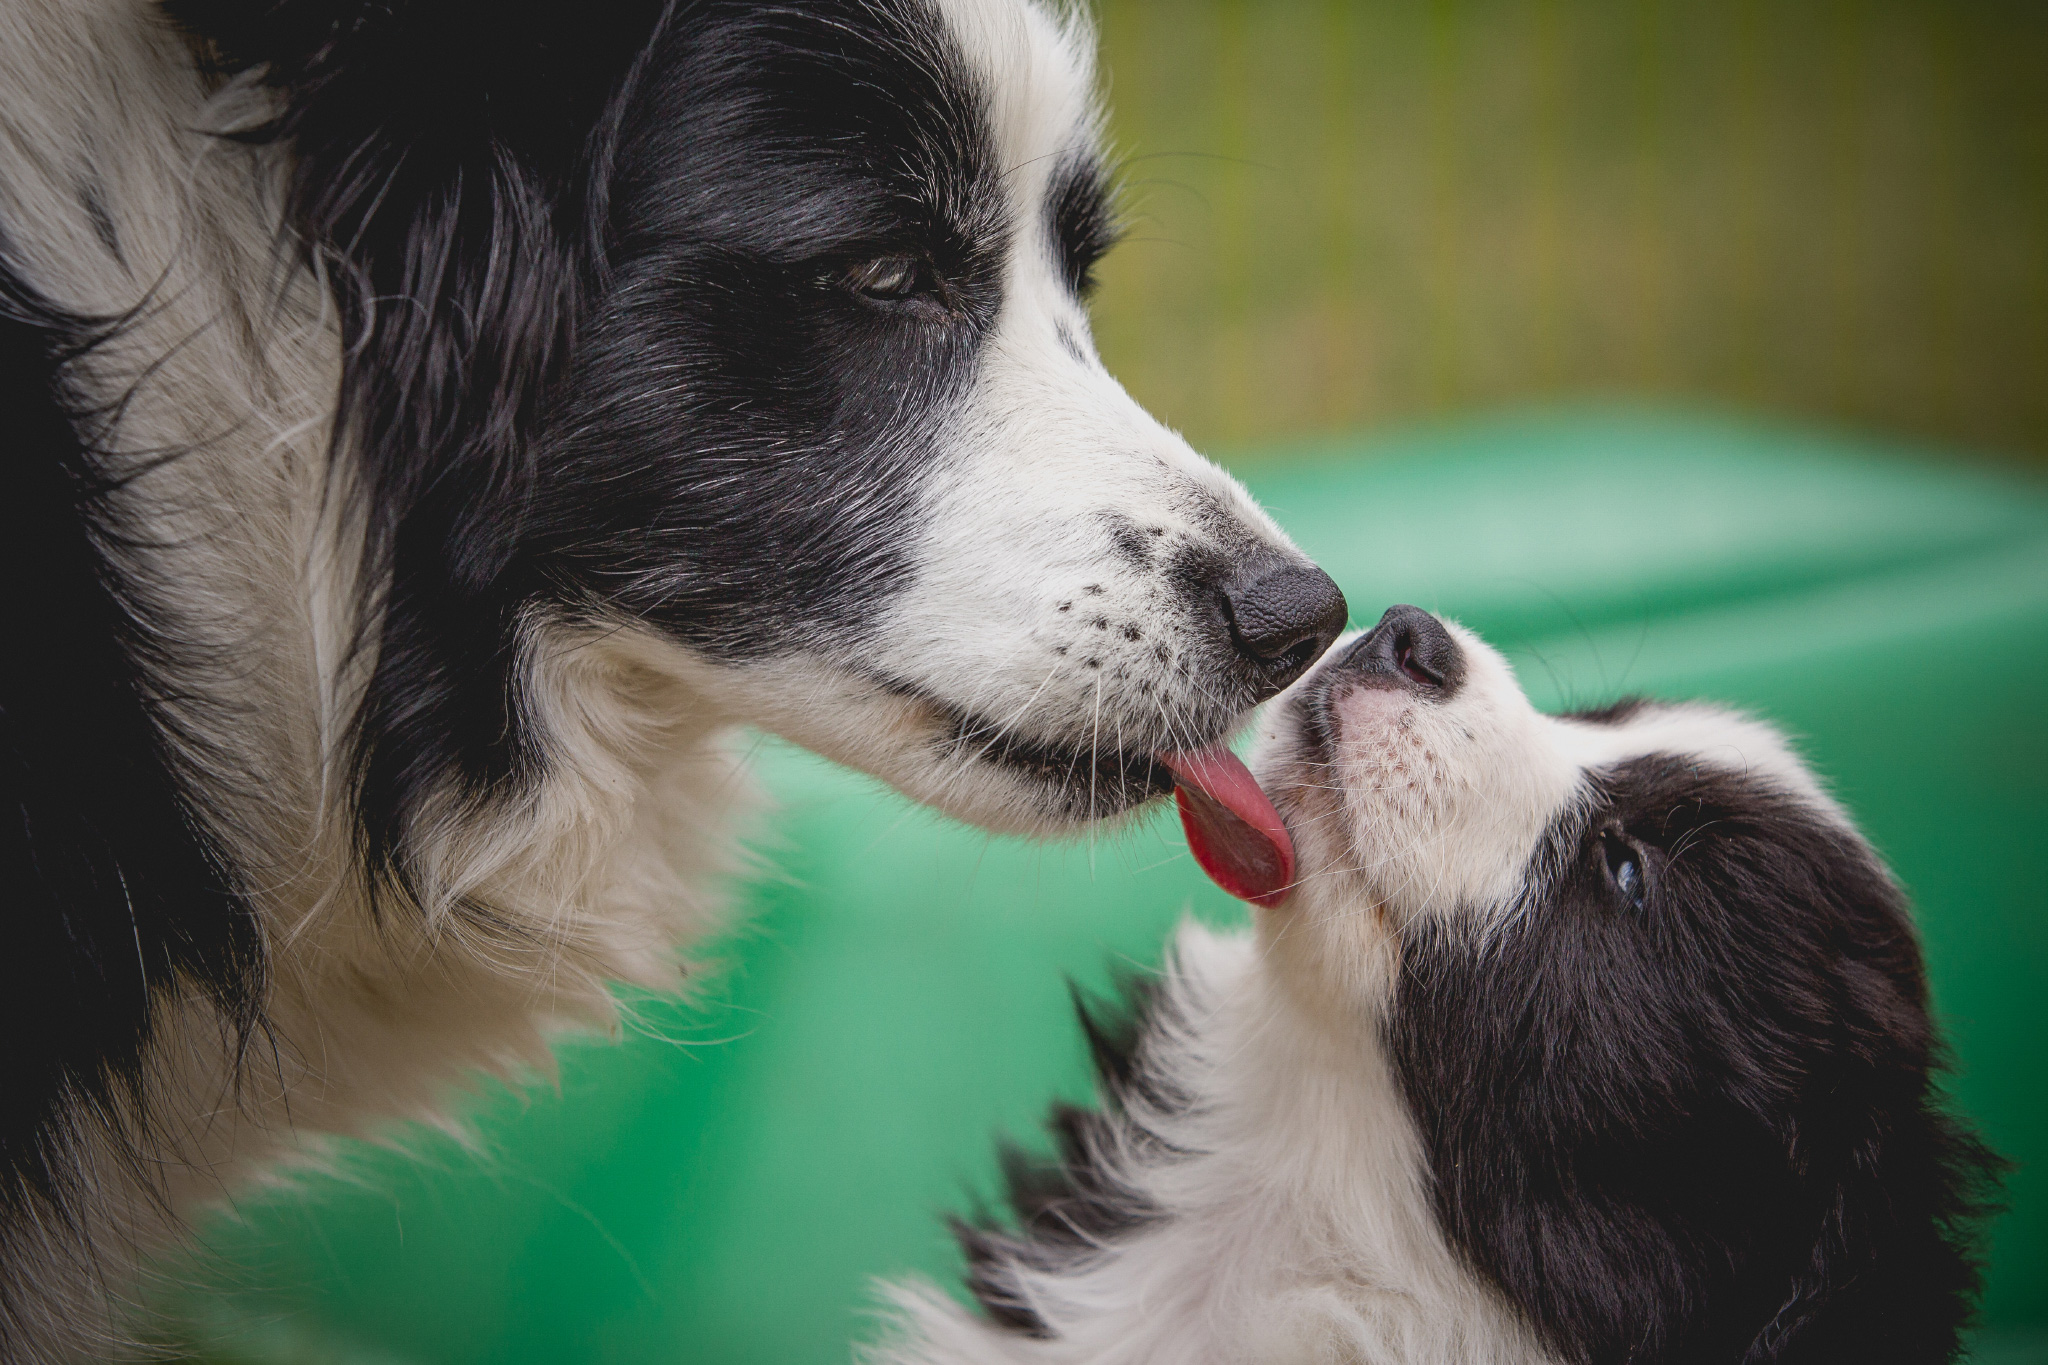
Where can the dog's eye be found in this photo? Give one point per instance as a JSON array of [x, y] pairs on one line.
[[1624, 870], [892, 279]]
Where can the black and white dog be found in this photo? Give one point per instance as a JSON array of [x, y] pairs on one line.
[[1584, 1039], [430, 426]]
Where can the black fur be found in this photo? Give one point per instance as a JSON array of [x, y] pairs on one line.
[[1084, 221], [603, 360], [444, 159], [1703, 1129], [115, 890]]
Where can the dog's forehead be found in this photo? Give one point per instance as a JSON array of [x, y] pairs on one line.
[[1714, 739], [1036, 66], [973, 113]]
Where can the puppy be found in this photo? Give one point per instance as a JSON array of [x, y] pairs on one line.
[[1580, 1039], [431, 427]]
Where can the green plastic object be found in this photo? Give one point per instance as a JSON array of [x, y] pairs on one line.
[[723, 1186]]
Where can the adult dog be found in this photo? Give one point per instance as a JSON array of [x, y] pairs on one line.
[[1593, 1039], [430, 427]]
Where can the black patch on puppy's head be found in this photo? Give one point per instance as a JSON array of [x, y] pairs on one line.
[[1679, 1107]]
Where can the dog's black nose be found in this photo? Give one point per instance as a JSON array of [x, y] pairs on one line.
[[1408, 649], [1283, 616]]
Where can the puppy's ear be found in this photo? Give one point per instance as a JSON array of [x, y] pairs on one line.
[[1893, 1273], [447, 161]]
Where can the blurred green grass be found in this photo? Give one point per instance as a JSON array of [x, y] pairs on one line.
[[1346, 214]]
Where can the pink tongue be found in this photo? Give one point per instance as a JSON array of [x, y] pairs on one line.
[[1233, 830]]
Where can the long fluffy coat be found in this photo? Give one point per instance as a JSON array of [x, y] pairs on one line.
[[430, 427]]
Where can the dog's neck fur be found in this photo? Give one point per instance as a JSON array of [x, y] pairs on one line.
[[1273, 1197]]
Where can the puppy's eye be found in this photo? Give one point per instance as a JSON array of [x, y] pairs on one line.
[[892, 279], [1624, 870]]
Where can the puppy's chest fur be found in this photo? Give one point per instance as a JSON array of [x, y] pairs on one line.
[[1253, 1189]]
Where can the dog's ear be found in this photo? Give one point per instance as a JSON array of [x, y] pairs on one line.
[[447, 161], [1892, 1273], [443, 159]]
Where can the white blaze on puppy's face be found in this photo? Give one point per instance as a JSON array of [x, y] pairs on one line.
[[1442, 802]]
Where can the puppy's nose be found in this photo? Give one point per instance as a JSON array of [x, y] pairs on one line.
[[1408, 649], [1283, 616]]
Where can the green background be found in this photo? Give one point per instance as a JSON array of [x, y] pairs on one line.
[[722, 1185]]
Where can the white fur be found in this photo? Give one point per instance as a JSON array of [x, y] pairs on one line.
[[1296, 1230]]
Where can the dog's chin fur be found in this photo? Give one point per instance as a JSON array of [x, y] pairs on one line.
[[436, 427], [1583, 1040]]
